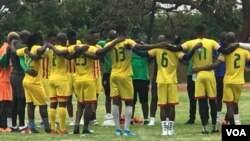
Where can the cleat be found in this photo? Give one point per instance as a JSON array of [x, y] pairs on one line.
[[14, 129], [190, 121], [33, 130], [171, 132], [237, 122], [53, 131], [145, 122], [94, 122], [118, 132], [164, 133], [6, 130], [47, 131], [86, 131], [25, 130], [128, 133], [63, 132], [76, 129], [137, 120], [151, 122], [109, 122], [215, 131], [204, 132]]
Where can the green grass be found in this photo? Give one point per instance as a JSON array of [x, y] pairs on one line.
[[144, 133]]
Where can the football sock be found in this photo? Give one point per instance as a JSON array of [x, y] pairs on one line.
[[128, 114], [52, 118], [62, 111]]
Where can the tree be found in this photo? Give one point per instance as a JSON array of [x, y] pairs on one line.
[[230, 15]]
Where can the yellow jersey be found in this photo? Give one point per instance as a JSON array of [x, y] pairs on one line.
[[121, 58], [167, 63], [58, 67], [235, 64], [84, 65], [46, 63], [203, 57], [70, 63], [97, 67], [32, 64]]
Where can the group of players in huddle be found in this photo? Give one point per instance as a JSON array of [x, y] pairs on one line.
[[35, 71]]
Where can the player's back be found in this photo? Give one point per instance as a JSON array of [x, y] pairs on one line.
[[235, 64], [121, 58], [58, 67]]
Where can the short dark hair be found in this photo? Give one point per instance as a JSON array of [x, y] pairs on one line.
[[34, 38]]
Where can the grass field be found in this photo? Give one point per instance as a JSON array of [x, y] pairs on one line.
[[144, 133]]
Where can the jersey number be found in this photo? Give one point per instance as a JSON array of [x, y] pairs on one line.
[[82, 61], [120, 54], [202, 54], [236, 61], [164, 60]]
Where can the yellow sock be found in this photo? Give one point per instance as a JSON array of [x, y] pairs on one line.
[[62, 117], [52, 118]]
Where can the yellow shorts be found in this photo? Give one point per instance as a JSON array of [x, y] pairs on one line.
[[85, 91], [121, 86], [232, 93], [34, 93], [205, 85], [98, 83], [167, 94], [46, 87], [70, 83], [58, 90]]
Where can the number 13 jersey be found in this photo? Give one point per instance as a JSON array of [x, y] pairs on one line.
[[121, 58]]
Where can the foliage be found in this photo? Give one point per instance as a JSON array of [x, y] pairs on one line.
[[82, 15]]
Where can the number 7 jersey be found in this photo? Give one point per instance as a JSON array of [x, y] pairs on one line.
[[121, 58]]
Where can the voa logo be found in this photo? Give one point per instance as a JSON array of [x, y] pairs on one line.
[[236, 132]]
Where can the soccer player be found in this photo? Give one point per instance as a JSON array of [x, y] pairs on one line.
[[72, 41], [234, 76], [16, 79], [205, 87], [154, 98], [5, 93], [120, 79], [109, 121], [167, 82], [33, 86], [51, 38], [95, 36], [84, 84], [58, 84]]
